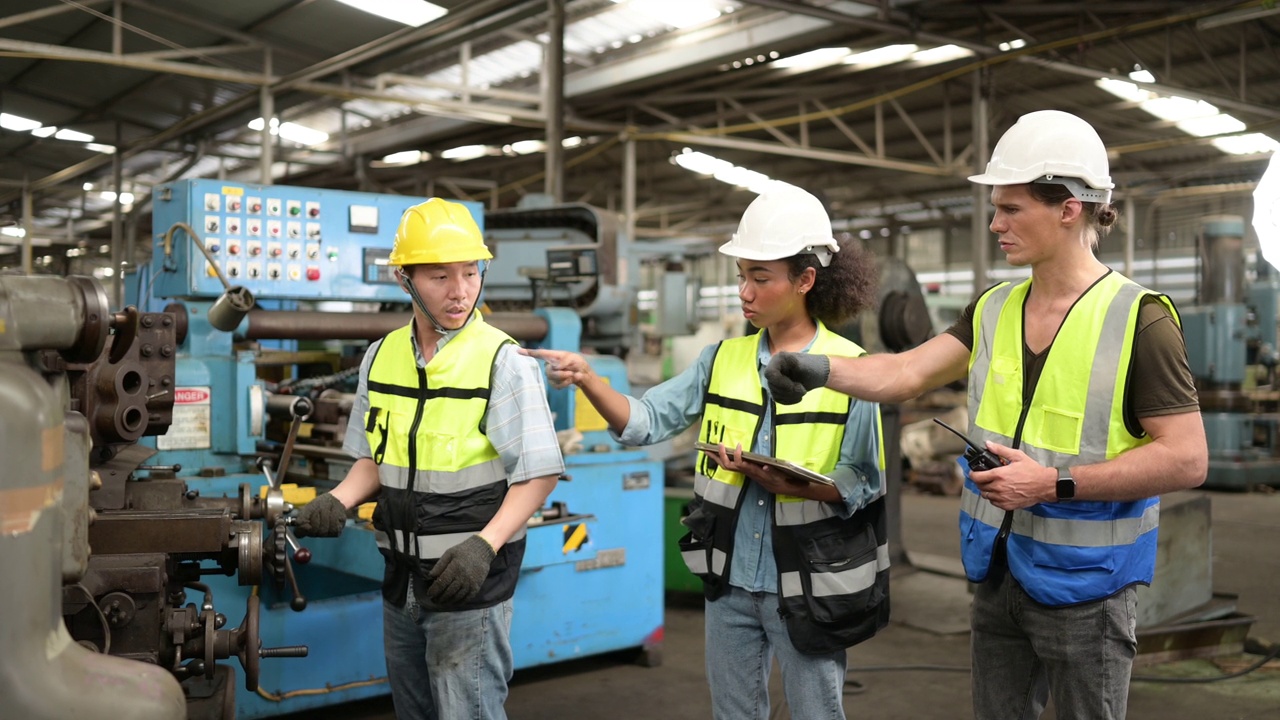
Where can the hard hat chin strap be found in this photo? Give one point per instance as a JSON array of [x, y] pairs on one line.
[[418, 302]]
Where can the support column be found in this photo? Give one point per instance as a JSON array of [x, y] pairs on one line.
[[28, 228], [266, 103], [628, 209], [981, 193], [117, 224], [554, 73], [1130, 235]]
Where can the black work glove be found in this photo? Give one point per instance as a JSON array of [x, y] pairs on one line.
[[791, 375], [323, 517], [459, 573]]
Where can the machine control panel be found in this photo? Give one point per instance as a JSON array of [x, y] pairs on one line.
[[278, 241]]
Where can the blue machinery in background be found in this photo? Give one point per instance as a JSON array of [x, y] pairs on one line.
[[1232, 348], [592, 577]]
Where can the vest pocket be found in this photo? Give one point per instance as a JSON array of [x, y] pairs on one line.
[[695, 546], [839, 577], [1060, 430]]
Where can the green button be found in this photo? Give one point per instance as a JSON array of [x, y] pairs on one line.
[[295, 210]]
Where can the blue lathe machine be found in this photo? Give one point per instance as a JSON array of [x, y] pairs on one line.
[[309, 287]]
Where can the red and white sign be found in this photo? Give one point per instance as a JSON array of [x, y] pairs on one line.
[[191, 396], [190, 429]]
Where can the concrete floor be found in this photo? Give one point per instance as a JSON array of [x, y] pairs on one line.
[[1246, 562]]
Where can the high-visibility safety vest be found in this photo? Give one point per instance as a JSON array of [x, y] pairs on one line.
[[833, 572], [442, 480], [1076, 551]]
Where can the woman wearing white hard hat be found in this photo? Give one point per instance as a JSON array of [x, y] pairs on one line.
[[791, 569], [1079, 382]]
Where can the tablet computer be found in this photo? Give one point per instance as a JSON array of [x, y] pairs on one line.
[[798, 472]]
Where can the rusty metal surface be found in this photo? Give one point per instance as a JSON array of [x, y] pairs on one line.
[[306, 325], [174, 532]]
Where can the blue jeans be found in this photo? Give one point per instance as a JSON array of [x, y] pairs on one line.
[[1023, 650], [448, 665], [744, 633]]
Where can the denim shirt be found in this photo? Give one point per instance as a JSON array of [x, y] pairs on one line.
[[668, 409]]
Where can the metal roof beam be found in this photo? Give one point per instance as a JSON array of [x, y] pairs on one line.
[[42, 13]]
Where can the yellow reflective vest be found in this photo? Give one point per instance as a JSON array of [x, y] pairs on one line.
[[833, 571], [442, 479], [1067, 552]]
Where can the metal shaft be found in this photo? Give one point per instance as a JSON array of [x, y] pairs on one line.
[[305, 325]]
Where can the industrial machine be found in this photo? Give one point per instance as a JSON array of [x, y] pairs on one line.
[[280, 289], [1231, 335], [99, 551]]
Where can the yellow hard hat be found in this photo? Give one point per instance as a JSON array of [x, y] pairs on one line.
[[436, 232]]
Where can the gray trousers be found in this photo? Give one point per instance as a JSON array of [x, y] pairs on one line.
[[1023, 651]]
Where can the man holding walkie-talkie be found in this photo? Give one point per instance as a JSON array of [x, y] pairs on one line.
[[1079, 385]]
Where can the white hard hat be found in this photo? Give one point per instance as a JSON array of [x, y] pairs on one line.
[[1055, 147], [783, 221]]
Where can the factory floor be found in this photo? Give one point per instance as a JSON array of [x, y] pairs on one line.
[[1246, 563]]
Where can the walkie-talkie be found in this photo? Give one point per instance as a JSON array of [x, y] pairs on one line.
[[978, 457]]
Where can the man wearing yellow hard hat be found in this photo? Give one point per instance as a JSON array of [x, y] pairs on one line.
[[453, 436]]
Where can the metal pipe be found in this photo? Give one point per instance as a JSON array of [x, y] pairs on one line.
[[628, 210], [307, 325], [266, 105]]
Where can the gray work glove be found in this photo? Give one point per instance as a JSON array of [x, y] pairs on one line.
[[790, 375], [323, 517], [459, 573]]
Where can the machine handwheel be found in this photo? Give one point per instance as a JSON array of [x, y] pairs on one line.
[[249, 645]]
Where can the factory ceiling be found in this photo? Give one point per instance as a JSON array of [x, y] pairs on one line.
[[870, 104]]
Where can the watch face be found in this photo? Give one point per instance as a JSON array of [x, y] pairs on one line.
[[1066, 488]]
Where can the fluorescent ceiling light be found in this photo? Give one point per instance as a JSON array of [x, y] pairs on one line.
[[126, 198], [99, 147], [292, 132], [17, 123], [676, 13], [1013, 44], [68, 134], [13, 231], [879, 57], [410, 12], [1234, 16], [941, 54], [572, 141], [465, 152], [1251, 144], [722, 170], [814, 58], [1142, 76], [524, 147], [1212, 125], [406, 157], [1174, 108], [44, 131], [1124, 90]]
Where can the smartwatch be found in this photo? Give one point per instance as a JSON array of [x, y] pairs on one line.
[[1066, 488]]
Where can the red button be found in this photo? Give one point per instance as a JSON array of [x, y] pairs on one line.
[[313, 273], [314, 212]]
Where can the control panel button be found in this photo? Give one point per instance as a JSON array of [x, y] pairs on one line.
[[295, 272], [313, 210], [255, 228], [255, 205], [211, 223], [274, 250], [212, 202], [294, 230], [273, 206], [255, 248], [273, 271], [295, 251], [233, 248], [313, 251], [212, 245], [295, 209], [313, 273], [233, 204], [233, 269], [255, 271], [273, 228], [333, 254], [233, 226]]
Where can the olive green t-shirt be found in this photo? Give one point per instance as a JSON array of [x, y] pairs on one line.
[[1160, 381]]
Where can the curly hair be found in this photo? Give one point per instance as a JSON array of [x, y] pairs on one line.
[[844, 288]]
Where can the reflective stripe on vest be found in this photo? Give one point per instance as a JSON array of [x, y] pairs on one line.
[[809, 433], [428, 441], [431, 547], [844, 582], [1070, 552]]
